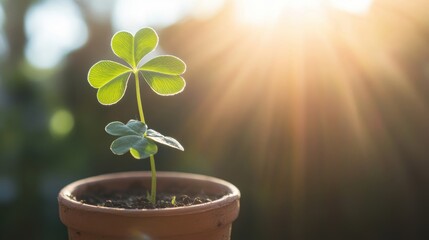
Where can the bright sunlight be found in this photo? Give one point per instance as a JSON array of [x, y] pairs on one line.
[[260, 12], [314, 81]]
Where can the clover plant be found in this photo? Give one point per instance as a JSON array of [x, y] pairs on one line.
[[161, 73]]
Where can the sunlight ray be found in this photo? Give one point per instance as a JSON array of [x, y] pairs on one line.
[[311, 98]]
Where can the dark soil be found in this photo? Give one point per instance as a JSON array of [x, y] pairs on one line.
[[135, 198]]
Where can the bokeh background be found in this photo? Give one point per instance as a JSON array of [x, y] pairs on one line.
[[318, 110]]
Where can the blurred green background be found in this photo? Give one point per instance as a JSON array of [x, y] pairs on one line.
[[317, 110]]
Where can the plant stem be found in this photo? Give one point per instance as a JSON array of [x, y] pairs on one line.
[[139, 99], [152, 159], [153, 186]]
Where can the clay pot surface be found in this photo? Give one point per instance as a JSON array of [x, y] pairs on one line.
[[207, 221]]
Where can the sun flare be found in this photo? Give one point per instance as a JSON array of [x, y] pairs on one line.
[[313, 81], [260, 12]]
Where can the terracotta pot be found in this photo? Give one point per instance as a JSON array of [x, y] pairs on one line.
[[207, 221]]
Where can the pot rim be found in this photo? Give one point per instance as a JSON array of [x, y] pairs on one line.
[[229, 198]]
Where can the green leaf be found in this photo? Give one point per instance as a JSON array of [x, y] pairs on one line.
[[164, 85], [159, 138], [167, 64], [142, 147], [123, 46], [135, 153], [162, 73], [132, 139], [133, 127], [105, 71], [133, 48], [145, 41], [113, 91], [111, 79]]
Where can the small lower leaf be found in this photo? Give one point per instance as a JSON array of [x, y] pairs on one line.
[[133, 127], [159, 138], [135, 153], [144, 150], [137, 126], [140, 146], [123, 144]]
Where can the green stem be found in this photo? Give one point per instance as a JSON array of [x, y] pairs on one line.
[[153, 187], [139, 99], [152, 159]]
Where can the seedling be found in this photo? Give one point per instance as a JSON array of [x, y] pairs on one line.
[[161, 73]]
